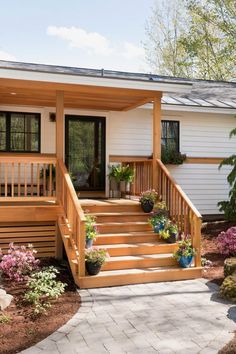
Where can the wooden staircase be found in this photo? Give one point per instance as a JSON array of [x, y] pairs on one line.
[[137, 255]]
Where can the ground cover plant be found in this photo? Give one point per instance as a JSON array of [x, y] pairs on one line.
[[44, 298]]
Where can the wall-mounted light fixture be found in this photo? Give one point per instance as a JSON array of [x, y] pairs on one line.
[[52, 117]]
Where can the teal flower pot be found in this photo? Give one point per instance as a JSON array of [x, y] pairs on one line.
[[185, 262], [159, 227]]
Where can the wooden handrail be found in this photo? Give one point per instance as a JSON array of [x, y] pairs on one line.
[[74, 215], [181, 209]]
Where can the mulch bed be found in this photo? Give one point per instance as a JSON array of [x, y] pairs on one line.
[[24, 329], [216, 273]]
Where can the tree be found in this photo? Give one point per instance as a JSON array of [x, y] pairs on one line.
[[164, 51], [229, 206], [198, 39]]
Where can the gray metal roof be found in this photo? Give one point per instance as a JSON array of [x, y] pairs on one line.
[[211, 94]]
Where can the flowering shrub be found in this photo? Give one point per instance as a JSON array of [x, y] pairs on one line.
[[148, 196], [96, 255], [19, 262], [227, 242]]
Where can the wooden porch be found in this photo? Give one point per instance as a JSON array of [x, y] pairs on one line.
[[39, 205]]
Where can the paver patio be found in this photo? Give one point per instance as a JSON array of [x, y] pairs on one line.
[[183, 317]]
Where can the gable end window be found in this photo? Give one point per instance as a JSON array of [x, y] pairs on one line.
[[19, 132], [170, 135]]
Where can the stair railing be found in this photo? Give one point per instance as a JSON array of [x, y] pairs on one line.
[[182, 211], [75, 218], [142, 175]]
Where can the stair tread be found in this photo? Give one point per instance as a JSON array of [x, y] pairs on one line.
[[128, 233], [105, 273], [122, 213], [135, 245], [139, 257], [123, 223]]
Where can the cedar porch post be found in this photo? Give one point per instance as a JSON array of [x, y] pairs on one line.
[[156, 138], [60, 124], [59, 155]]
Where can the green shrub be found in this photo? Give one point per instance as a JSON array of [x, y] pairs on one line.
[[228, 288], [229, 266], [43, 288], [4, 319]]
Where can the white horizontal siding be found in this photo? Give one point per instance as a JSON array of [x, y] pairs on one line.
[[130, 133], [205, 185]]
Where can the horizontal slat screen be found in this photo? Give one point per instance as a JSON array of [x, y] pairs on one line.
[[41, 236]]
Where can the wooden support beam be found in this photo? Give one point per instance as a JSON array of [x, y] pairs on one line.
[[156, 138], [60, 124]]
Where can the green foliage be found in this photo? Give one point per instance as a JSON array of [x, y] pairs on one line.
[[185, 249], [148, 196], [229, 266], [121, 173], [171, 156], [193, 38], [96, 255], [90, 228], [228, 288], [4, 319], [170, 228], [43, 288], [229, 206]]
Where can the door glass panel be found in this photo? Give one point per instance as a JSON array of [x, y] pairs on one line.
[[85, 152]]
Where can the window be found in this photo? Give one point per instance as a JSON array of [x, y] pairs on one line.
[[170, 135], [19, 132]]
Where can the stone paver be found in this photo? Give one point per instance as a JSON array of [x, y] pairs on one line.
[[183, 317]]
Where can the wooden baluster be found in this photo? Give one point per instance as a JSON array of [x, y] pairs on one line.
[[0, 179], [32, 179], [50, 179], [44, 180], [6, 178], [19, 179], [80, 246], [12, 179], [197, 240], [25, 179], [38, 179]]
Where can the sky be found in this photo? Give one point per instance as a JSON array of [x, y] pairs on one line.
[[83, 33]]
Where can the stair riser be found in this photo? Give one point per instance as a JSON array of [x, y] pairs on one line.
[[103, 240], [112, 208], [122, 218], [139, 250], [106, 228], [126, 279], [144, 263]]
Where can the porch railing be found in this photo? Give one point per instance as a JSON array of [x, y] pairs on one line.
[[142, 175], [74, 215], [181, 209], [24, 177]]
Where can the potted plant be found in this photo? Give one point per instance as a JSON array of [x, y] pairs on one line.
[[159, 217], [184, 254], [90, 230], [114, 180], [126, 177], [148, 199], [170, 232], [95, 257]]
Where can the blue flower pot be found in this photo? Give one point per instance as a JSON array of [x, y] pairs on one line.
[[88, 242], [185, 262], [159, 227]]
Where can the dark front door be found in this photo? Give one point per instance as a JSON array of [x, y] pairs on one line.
[[85, 151]]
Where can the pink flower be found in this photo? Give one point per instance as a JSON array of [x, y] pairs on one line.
[[226, 242]]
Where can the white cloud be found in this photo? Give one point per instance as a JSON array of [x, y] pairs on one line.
[[98, 51], [6, 56], [79, 38]]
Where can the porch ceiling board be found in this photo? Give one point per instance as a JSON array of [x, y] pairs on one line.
[[24, 92]]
